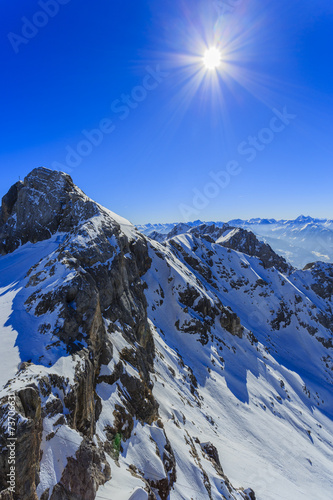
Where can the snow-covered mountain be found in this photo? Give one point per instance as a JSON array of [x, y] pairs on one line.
[[199, 367], [300, 241]]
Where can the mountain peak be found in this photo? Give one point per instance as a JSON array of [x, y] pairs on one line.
[[46, 173], [304, 218], [47, 201]]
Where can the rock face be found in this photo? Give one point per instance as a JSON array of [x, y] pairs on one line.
[[28, 433], [246, 242], [131, 350], [101, 287], [323, 279], [46, 202]]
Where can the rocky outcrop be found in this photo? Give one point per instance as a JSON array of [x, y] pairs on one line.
[[83, 475], [6, 495], [246, 242], [210, 231], [44, 203], [206, 311], [212, 453], [323, 278], [231, 322]]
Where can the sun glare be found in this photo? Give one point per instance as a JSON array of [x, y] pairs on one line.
[[212, 58]]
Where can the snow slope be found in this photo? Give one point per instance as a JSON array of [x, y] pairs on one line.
[[268, 401], [173, 369]]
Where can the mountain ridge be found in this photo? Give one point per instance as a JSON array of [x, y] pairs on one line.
[[141, 369], [299, 241]]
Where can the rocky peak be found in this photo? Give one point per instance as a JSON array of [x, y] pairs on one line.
[[46, 202], [246, 242], [178, 229], [210, 231]]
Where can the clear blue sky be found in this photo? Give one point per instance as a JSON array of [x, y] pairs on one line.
[[170, 142]]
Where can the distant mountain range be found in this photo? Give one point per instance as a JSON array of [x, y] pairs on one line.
[[299, 241]]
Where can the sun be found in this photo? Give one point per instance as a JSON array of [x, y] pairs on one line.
[[212, 58]]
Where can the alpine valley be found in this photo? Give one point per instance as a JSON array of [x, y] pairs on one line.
[[193, 363]]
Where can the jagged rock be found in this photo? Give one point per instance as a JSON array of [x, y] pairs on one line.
[[237, 239], [8, 202], [139, 399], [246, 242], [210, 231], [83, 474], [44, 203], [188, 296], [323, 276], [81, 400], [28, 434], [47, 202], [231, 322], [213, 455], [250, 495]]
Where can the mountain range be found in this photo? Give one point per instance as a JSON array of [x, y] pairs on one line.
[[300, 241], [194, 363]]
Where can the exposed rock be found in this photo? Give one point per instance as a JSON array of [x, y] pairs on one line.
[[8, 202], [231, 322], [210, 231], [323, 276], [45, 202], [6, 495], [83, 474], [139, 399], [213, 455], [26, 448], [246, 242]]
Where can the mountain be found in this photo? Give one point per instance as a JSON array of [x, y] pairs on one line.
[[199, 367], [299, 241], [148, 229]]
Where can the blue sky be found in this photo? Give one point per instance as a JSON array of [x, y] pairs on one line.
[[115, 93]]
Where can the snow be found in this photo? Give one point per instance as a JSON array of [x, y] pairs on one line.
[[259, 426], [13, 269], [123, 485], [56, 451], [126, 226], [141, 451], [139, 494], [119, 343], [256, 448], [300, 241], [265, 404]]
